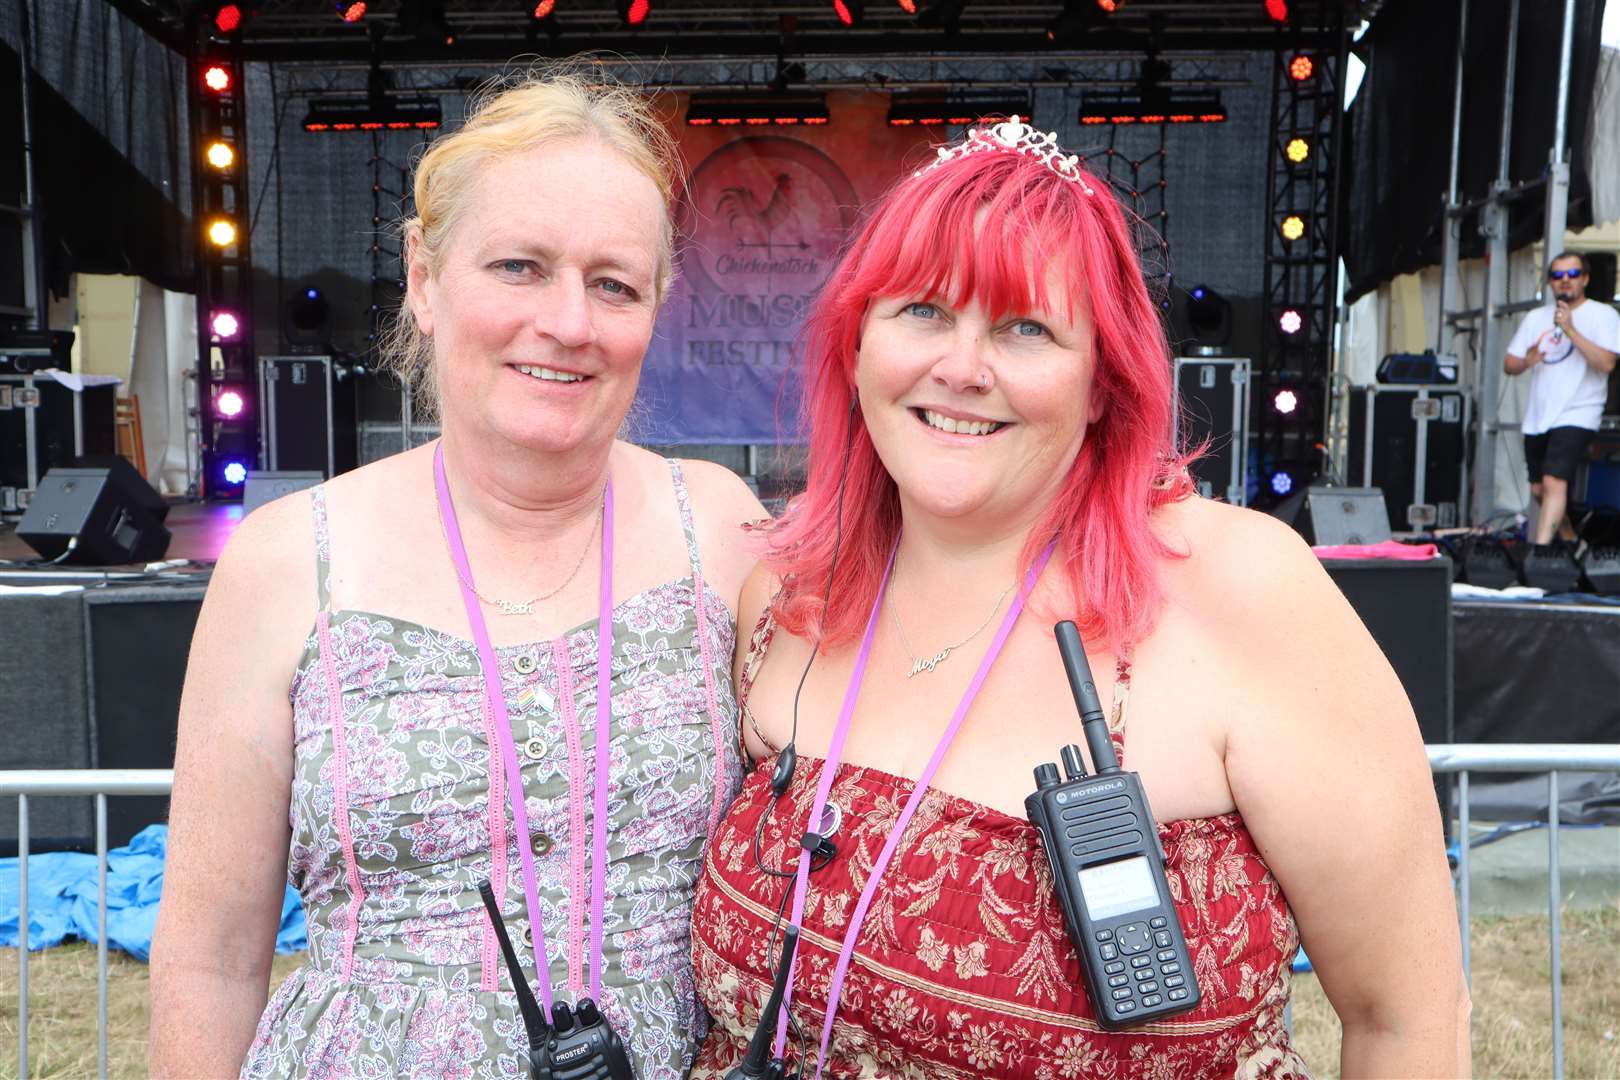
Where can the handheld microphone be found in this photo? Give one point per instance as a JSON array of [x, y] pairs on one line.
[[755, 1064], [1108, 870]]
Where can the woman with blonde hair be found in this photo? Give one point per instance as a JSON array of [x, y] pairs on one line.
[[501, 657]]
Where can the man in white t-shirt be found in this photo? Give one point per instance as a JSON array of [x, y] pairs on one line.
[[1569, 347]]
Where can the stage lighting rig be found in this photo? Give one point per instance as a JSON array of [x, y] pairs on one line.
[[908, 6], [1152, 104], [222, 232], [849, 12], [543, 10], [220, 155], [906, 110], [1277, 10], [225, 325], [425, 21], [217, 77], [351, 11], [1209, 314], [1108, 7], [1301, 68], [1285, 401], [633, 12], [756, 110], [1298, 151], [944, 15], [228, 18], [1290, 322], [373, 114], [1291, 227], [229, 402]]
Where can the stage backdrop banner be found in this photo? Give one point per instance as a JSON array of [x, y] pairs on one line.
[[766, 213]]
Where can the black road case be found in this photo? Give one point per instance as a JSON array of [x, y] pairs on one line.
[[1410, 441], [1213, 404]]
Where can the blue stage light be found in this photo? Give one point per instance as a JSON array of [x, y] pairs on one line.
[[1281, 483], [235, 473], [313, 294]]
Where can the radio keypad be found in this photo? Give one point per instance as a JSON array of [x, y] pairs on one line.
[[1115, 968], [1155, 974], [1141, 961]]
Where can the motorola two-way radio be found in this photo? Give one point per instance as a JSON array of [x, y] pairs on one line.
[[1108, 870], [575, 1043]]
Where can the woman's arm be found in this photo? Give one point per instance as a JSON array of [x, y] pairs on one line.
[[226, 869], [1328, 769]]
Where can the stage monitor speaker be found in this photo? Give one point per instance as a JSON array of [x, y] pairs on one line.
[[1333, 516], [1551, 567], [263, 487], [96, 516], [1487, 563], [1601, 565]]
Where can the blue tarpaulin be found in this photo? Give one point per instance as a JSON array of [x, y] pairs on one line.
[[62, 898]]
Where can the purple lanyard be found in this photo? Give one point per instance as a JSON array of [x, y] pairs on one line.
[[503, 730], [829, 766]]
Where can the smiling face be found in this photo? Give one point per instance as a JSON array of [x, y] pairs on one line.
[[977, 418], [542, 304]]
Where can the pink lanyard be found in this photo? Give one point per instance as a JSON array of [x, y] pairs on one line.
[[829, 766], [503, 730]]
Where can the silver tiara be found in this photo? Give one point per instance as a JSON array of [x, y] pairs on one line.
[[1015, 136]]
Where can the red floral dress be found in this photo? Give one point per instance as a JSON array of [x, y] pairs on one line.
[[963, 968]]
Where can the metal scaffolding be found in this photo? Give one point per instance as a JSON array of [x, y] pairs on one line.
[[1484, 377]]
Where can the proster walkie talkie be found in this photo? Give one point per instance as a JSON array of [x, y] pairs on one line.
[[1108, 870], [578, 1043]]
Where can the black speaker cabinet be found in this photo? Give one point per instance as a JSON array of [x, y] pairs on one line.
[[1406, 606], [107, 509], [1333, 516], [1601, 565], [1551, 567]]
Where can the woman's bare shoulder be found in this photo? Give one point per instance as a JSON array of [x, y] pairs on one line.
[[1235, 561]]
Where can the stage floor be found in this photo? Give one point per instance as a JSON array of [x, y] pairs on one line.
[[198, 530]]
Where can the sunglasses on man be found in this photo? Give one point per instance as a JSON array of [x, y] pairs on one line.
[[1560, 275]]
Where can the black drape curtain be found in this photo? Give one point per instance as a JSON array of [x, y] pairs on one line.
[[1398, 150]]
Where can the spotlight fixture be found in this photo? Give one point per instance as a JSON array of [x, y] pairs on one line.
[[1292, 227], [225, 325], [230, 404], [1210, 316], [234, 473], [352, 11], [228, 18], [1301, 67], [222, 232], [1281, 483], [1298, 151], [1277, 10], [634, 12], [543, 9], [849, 12], [220, 155], [217, 78], [1290, 321], [1285, 401], [1110, 6], [908, 6]]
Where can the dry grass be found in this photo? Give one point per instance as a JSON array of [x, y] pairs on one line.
[[1512, 1006], [1512, 993]]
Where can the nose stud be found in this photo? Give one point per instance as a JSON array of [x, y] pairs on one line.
[[984, 380]]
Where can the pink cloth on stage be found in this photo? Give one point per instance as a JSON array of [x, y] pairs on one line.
[[1389, 549]]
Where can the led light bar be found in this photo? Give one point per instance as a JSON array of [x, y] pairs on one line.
[[906, 109], [373, 114], [756, 110], [1161, 108]]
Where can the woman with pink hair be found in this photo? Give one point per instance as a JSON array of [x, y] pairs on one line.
[[992, 449]]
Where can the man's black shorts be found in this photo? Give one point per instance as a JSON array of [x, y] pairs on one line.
[[1556, 453]]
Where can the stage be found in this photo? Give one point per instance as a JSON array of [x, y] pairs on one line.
[[92, 661]]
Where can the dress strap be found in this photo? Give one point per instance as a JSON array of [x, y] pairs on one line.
[[684, 501], [759, 642], [323, 545]]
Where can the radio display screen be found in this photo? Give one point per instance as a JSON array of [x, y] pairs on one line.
[[1118, 888]]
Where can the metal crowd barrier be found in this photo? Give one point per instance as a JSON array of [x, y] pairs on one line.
[[1550, 758], [100, 783], [1460, 758]]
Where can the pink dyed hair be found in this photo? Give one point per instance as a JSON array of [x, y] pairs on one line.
[[925, 238]]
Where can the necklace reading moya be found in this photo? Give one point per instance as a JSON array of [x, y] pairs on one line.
[[921, 665]]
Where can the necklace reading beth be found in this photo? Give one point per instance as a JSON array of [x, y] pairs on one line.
[[921, 665], [518, 607]]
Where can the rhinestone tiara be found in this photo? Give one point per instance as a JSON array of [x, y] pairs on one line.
[[1015, 136]]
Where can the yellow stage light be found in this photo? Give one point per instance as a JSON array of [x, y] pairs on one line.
[[221, 156], [1298, 151], [1293, 227], [222, 232]]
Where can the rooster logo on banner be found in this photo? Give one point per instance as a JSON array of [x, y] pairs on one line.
[[773, 225]]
